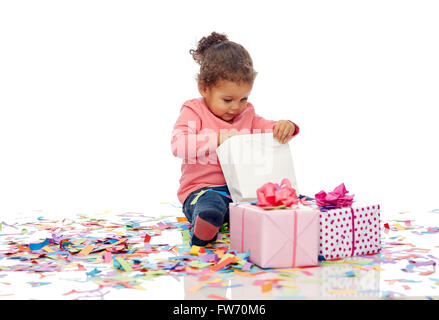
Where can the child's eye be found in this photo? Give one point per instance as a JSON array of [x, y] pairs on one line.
[[227, 100]]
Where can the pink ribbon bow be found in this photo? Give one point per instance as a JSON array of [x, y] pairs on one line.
[[334, 199], [274, 195]]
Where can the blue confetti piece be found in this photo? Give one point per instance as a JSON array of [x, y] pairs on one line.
[[94, 272], [38, 284], [189, 256], [109, 241], [231, 286], [224, 194], [244, 255], [38, 246]]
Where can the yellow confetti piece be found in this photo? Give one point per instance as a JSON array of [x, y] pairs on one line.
[[283, 279], [138, 287], [214, 280], [342, 291], [47, 249], [294, 269], [195, 250], [124, 264], [398, 226], [97, 261], [290, 286], [378, 268], [239, 260]]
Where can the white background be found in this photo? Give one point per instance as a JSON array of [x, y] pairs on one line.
[[90, 91]]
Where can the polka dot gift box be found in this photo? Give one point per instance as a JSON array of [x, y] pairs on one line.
[[350, 231], [347, 229]]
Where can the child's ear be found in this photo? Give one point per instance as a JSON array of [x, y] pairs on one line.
[[202, 89]]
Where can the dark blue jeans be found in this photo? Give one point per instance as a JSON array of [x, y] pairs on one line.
[[212, 206]]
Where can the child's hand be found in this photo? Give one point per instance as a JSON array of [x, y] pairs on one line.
[[283, 130]]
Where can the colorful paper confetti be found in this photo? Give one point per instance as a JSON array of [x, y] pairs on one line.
[[126, 251]]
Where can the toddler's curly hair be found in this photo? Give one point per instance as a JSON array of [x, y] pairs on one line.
[[221, 59]]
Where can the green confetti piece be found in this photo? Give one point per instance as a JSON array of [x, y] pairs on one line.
[[186, 236], [326, 262], [79, 241], [287, 291], [155, 273], [288, 275], [224, 228], [199, 264]]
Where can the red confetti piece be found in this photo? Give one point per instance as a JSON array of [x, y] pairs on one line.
[[81, 267], [214, 296], [222, 264]]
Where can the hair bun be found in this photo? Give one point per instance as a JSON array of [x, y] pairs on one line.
[[205, 43]]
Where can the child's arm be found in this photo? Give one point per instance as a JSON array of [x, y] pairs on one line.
[[189, 142]]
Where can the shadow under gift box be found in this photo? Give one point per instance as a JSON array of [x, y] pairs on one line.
[[281, 238]]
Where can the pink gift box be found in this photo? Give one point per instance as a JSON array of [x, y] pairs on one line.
[[276, 238], [350, 231]]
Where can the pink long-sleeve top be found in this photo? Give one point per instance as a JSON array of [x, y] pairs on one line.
[[195, 139]]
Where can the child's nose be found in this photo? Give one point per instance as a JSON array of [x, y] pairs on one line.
[[234, 108]]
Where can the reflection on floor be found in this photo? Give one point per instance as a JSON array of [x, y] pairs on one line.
[[145, 255]]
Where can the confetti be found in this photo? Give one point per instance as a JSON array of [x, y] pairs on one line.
[[117, 253]]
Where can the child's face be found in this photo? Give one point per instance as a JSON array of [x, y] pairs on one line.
[[226, 99]]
